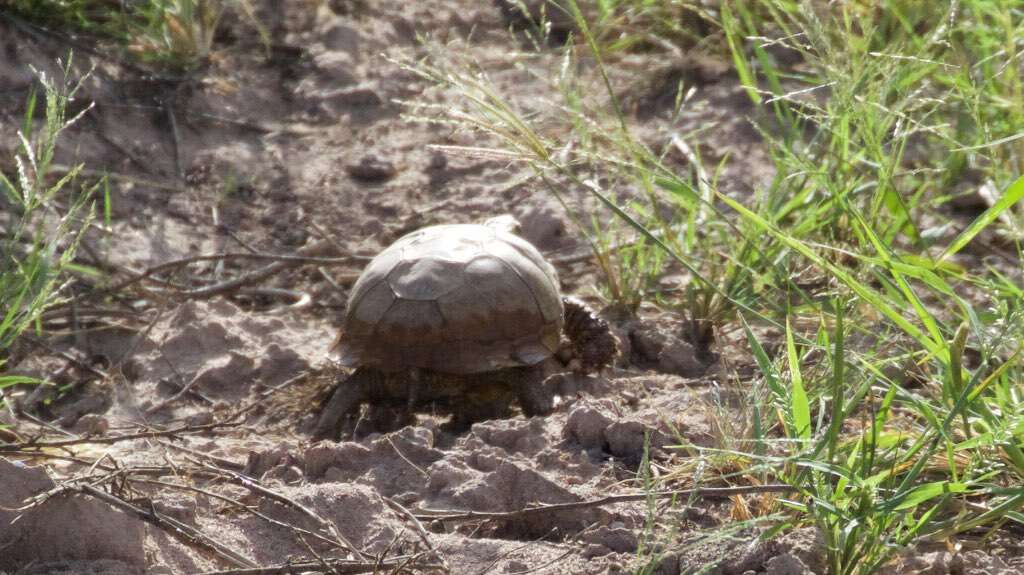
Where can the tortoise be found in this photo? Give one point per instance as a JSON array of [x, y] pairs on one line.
[[460, 318]]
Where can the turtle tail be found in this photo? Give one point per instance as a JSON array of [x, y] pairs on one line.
[[592, 342]]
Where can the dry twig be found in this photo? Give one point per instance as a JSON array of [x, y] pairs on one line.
[[448, 515], [226, 463], [339, 566], [279, 262], [253, 485], [179, 430], [177, 529], [298, 531], [419, 529]]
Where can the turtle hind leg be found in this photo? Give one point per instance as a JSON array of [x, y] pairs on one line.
[[348, 395], [535, 394], [476, 398]]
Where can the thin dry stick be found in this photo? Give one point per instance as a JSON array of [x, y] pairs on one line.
[[317, 556], [300, 299], [254, 276], [233, 420], [193, 393], [254, 486], [275, 258], [69, 357], [572, 258], [504, 554], [326, 237], [119, 177], [36, 455], [223, 462], [188, 388], [144, 334], [338, 566], [22, 414], [404, 458], [298, 531], [293, 128], [544, 565], [446, 515], [185, 389], [67, 486], [177, 529], [8, 435], [181, 429], [274, 389], [59, 315], [420, 530]]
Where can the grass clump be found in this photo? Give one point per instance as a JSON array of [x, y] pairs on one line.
[[178, 35], [893, 403], [906, 436], [43, 217]]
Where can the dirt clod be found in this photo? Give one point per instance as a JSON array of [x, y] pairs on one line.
[[786, 564], [629, 439], [972, 562], [92, 424], [42, 534], [660, 345], [544, 227], [586, 426], [613, 540], [371, 169]]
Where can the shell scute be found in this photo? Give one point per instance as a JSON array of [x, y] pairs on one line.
[[425, 278], [455, 244], [412, 322], [371, 306], [540, 278]]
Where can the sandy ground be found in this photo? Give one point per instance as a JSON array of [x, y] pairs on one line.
[[180, 440]]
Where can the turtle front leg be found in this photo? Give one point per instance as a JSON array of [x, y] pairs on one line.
[[535, 396], [393, 402], [415, 389], [346, 399]]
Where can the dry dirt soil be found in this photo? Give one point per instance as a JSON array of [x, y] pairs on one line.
[[177, 438]]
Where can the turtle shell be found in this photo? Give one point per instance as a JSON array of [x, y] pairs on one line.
[[454, 299]]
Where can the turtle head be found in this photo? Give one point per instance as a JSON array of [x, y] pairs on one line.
[[504, 223]]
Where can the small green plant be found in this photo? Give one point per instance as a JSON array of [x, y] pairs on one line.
[[180, 33], [43, 218], [880, 465], [175, 34], [177, 31]]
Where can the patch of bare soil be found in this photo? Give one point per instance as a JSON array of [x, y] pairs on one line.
[[178, 440]]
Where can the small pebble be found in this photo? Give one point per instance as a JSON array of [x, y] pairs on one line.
[[371, 169], [92, 424]]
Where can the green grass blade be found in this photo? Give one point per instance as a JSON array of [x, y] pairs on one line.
[[800, 409], [734, 37], [922, 493], [1012, 195], [866, 293]]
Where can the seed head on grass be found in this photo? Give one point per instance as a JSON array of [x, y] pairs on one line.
[[38, 237]]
